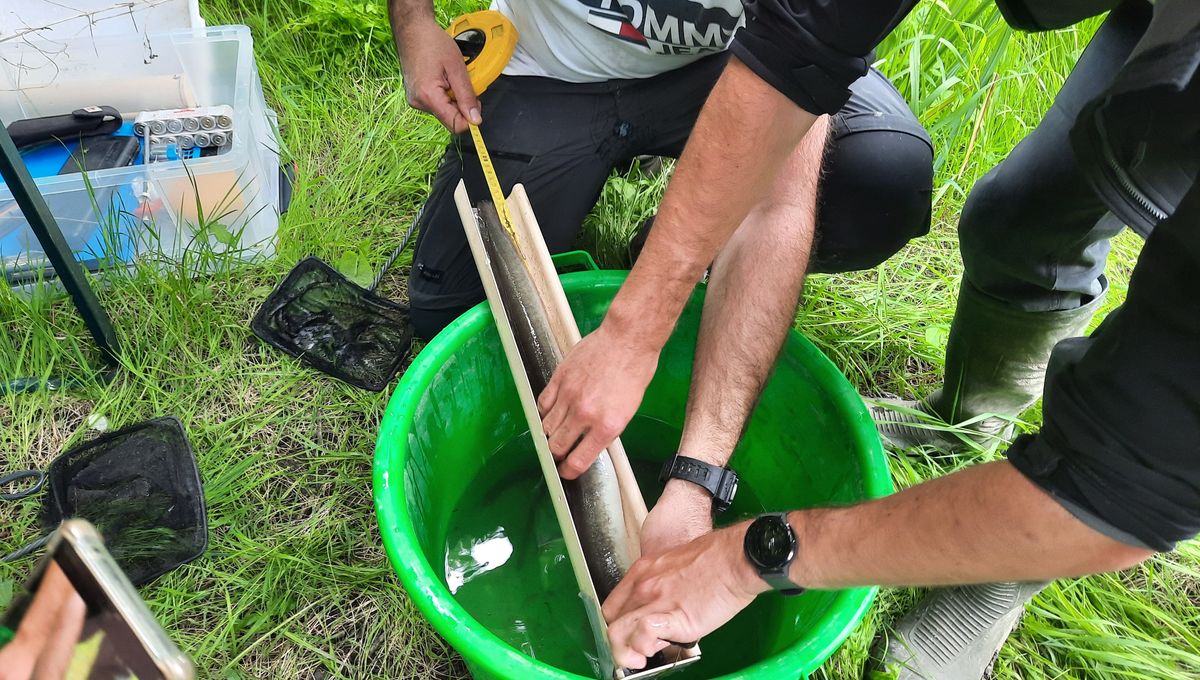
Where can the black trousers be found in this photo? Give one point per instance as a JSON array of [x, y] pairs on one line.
[[1034, 234], [1120, 443], [562, 140]]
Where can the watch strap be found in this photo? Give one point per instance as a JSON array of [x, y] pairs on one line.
[[780, 582], [721, 483], [778, 578]]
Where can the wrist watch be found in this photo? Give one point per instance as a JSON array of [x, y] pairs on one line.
[[721, 483], [770, 546]]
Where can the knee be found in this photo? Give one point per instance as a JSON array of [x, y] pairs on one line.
[[1002, 216], [430, 312], [428, 322], [984, 229], [875, 196]]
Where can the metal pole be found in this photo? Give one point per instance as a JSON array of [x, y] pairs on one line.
[[37, 213]]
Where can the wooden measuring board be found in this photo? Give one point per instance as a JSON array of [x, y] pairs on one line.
[[532, 249]]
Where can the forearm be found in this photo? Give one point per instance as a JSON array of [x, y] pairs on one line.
[[435, 78], [982, 524], [741, 140], [406, 14], [750, 304]]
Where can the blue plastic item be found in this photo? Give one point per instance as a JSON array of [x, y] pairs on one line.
[[101, 232]]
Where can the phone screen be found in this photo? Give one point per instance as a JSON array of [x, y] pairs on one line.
[[64, 626]]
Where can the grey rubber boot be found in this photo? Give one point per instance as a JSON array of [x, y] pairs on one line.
[[954, 633], [995, 369]]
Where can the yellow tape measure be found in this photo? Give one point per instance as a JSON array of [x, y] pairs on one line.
[[487, 40], [493, 182]]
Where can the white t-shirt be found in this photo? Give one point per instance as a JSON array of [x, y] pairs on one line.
[[583, 41]]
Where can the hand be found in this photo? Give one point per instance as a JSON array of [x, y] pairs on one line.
[[45, 639], [593, 395], [683, 513], [680, 596], [435, 78]]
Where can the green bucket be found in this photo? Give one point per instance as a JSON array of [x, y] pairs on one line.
[[811, 442]]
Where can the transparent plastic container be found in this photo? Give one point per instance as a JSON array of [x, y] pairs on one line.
[[225, 205]]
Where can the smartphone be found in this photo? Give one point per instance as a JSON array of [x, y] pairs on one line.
[[80, 618]]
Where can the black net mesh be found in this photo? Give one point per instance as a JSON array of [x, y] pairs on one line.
[[335, 326], [140, 487]]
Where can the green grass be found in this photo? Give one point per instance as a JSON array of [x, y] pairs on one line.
[[295, 583]]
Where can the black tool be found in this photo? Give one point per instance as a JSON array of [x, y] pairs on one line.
[[101, 153], [43, 225], [88, 121], [319, 316], [38, 477]]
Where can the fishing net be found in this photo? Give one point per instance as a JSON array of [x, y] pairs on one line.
[[140, 487], [335, 326]]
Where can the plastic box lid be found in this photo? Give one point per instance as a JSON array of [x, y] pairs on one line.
[[56, 20]]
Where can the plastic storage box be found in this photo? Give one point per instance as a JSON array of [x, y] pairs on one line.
[[226, 204]]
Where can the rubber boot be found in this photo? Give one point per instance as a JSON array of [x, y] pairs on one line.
[[954, 633], [995, 369]]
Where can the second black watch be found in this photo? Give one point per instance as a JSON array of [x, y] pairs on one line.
[[721, 482], [770, 546]]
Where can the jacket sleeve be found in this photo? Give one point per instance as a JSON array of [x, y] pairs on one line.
[[1047, 15], [811, 50], [1120, 445]]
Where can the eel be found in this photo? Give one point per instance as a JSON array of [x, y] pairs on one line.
[[595, 496]]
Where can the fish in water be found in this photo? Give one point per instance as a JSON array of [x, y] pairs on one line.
[[595, 496]]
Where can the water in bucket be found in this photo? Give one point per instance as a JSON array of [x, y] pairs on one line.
[[507, 565]]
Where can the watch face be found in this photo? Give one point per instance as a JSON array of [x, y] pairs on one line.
[[770, 543]]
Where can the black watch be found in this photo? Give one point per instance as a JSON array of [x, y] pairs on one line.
[[720, 482], [770, 546]]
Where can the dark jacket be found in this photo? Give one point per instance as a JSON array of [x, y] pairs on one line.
[[1045, 15], [1138, 143]]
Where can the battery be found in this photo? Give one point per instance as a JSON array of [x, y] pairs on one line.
[[184, 129], [222, 115]]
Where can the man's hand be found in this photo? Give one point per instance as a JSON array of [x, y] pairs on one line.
[[683, 513], [680, 596], [435, 78], [593, 395], [45, 639]]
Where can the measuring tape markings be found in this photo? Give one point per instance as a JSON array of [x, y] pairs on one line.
[[493, 182], [487, 40]]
